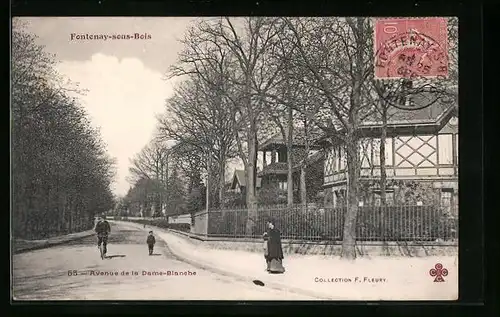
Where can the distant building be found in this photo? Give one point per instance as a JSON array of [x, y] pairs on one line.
[[238, 183]]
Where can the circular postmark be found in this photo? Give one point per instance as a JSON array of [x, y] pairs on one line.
[[411, 55]]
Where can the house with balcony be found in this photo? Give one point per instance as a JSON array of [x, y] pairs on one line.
[[274, 172], [421, 147]]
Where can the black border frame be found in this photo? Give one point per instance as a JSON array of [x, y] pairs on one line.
[[471, 244]]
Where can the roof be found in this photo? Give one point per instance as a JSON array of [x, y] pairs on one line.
[[430, 121], [313, 158], [399, 121], [277, 140], [239, 176], [426, 115]]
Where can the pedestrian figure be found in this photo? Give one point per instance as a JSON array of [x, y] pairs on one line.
[[274, 249], [151, 242], [266, 253]]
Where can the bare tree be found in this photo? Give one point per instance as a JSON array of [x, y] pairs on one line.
[[284, 92], [245, 42], [285, 125], [152, 163], [334, 58], [190, 162], [199, 112]]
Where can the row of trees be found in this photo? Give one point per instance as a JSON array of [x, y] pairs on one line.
[[247, 78], [61, 175], [165, 181]]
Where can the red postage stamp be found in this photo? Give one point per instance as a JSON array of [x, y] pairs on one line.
[[411, 48]]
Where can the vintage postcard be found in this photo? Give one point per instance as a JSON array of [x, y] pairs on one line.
[[242, 158]]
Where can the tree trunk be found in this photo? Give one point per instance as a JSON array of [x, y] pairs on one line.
[[207, 193], [383, 173], [222, 182], [303, 190], [303, 184], [160, 186], [352, 146], [250, 173], [289, 145], [349, 239], [303, 168], [255, 161], [166, 186]]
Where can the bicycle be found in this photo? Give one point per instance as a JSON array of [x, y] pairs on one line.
[[103, 239]]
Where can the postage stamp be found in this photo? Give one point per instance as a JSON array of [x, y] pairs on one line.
[[410, 48]]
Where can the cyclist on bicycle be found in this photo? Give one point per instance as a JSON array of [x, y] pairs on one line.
[[102, 229]]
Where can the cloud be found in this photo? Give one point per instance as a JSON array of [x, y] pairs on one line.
[[123, 97]]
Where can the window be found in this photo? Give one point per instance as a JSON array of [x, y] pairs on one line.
[[282, 156], [330, 162], [341, 158], [283, 185], [446, 197], [447, 200], [389, 198], [339, 198], [445, 149], [337, 159]]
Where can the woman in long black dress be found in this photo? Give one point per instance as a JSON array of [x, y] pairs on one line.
[[274, 249]]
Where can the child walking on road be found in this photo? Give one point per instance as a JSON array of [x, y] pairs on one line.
[[151, 242]]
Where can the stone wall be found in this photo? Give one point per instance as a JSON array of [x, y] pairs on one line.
[[328, 248]]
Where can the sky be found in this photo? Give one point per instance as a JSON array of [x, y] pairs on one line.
[[124, 79]]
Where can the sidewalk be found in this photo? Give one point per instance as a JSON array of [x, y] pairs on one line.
[[20, 246], [322, 277]]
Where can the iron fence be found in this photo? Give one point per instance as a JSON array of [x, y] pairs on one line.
[[387, 223]]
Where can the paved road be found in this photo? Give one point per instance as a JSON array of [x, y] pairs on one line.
[[43, 274]]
